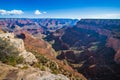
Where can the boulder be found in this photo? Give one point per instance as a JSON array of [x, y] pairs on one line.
[[28, 57]]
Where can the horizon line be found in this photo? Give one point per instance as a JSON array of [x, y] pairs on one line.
[[55, 18]]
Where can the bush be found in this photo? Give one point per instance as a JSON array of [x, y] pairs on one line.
[[55, 71], [40, 66], [8, 53], [25, 67], [11, 61], [19, 59]]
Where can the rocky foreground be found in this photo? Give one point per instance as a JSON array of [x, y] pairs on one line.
[[8, 72]]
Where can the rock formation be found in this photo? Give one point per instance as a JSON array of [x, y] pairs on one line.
[[19, 45]]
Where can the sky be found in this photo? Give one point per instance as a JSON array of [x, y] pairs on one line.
[[74, 9]]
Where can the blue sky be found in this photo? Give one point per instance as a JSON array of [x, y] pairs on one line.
[[60, 9]]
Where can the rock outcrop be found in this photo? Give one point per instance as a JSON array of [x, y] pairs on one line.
[[28, 57], [19, 45]]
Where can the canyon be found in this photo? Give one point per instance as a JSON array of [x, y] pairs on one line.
[[90, 46]]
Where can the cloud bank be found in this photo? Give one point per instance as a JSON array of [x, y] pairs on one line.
[[11, 12]]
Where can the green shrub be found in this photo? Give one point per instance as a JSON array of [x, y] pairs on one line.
[[19, 59], [43, 68], [11, 61], [37, 65], [40, 66], [25, 67], [55, 71]]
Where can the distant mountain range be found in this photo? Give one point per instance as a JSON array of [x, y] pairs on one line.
[[44, 24]]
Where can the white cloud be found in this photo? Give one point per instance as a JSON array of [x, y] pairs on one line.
[[11, 12], [37, 12]]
